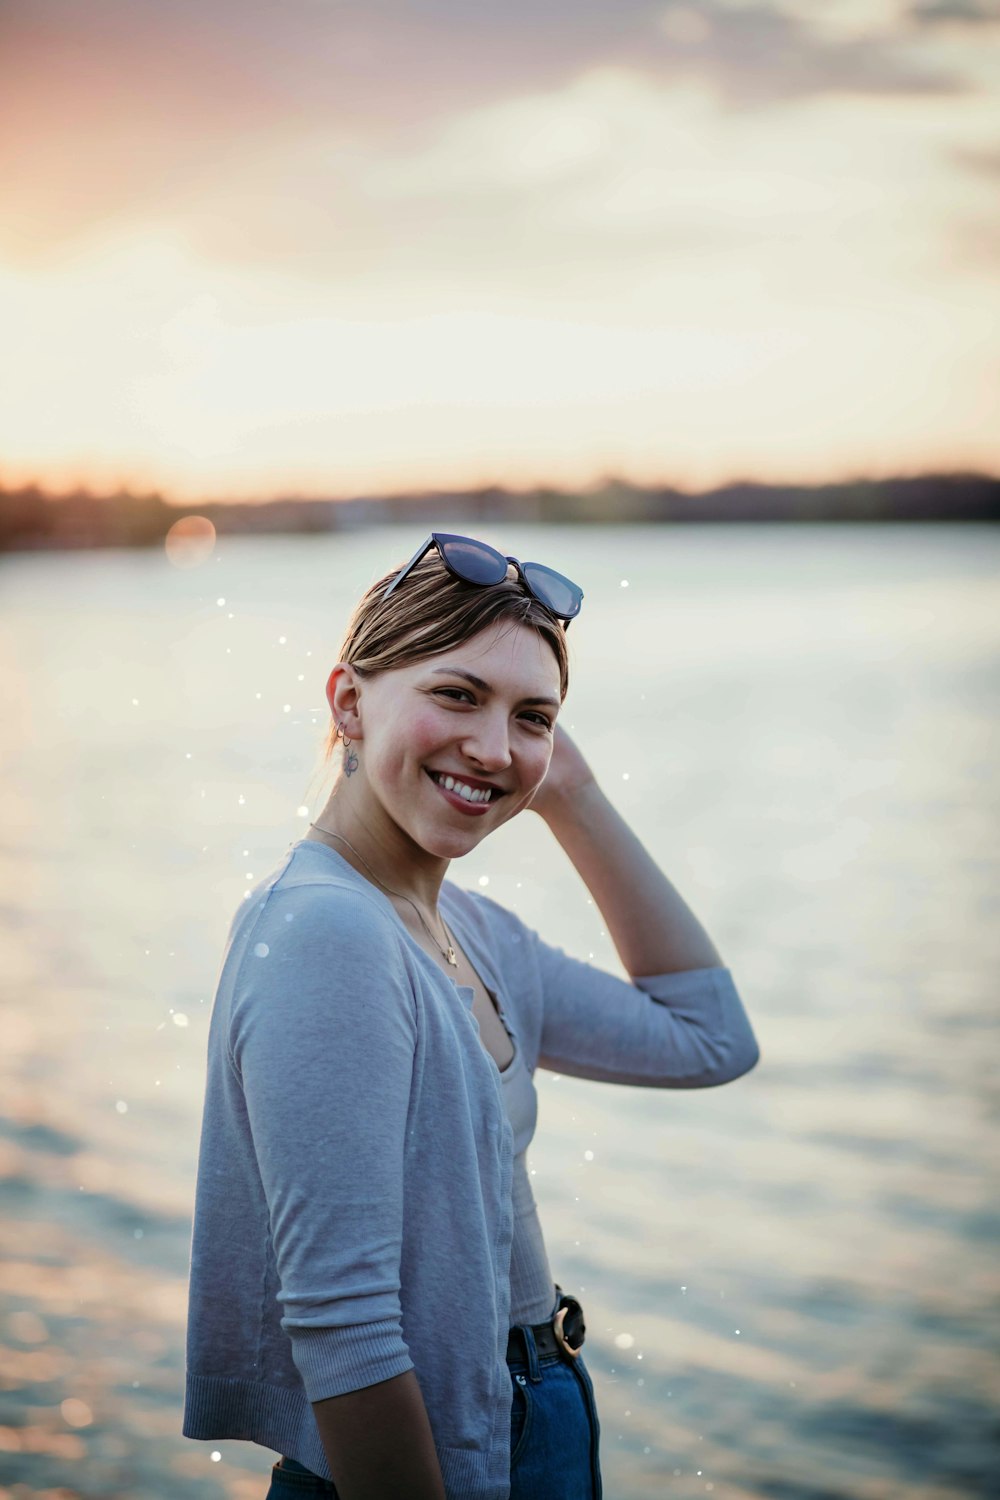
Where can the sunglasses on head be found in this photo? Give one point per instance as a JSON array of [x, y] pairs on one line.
[[476, 562]]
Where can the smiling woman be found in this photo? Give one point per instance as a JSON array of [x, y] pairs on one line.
[[370, 1292]]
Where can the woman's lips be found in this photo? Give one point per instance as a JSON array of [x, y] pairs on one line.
[[473, 809]]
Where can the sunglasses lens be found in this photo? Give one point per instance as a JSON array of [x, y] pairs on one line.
[[561, 595], [474, 561]]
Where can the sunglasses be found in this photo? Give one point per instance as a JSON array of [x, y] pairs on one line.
[[476, 562]]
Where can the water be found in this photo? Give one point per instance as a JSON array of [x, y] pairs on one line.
[[801, 725]]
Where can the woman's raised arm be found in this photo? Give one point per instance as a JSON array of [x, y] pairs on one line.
[[653, 929]]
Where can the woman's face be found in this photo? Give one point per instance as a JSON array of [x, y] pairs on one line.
[[482, 714]]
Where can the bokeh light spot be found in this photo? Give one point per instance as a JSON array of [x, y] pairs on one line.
[[76, 1413], [190, 542]]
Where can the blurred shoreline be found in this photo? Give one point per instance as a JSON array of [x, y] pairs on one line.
[[32, 519]]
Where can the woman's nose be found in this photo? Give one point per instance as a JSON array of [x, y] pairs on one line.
[[489, 743]]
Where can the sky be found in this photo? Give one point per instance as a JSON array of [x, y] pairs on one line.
[[326, 247]]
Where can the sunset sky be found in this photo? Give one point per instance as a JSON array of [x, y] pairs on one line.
[[322, 247]]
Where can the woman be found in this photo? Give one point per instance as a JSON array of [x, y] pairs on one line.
[[370, 1295]]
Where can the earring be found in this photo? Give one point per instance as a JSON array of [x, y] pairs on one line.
[[340, 732]]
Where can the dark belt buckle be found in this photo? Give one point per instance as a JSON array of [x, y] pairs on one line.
[[568, 1326]]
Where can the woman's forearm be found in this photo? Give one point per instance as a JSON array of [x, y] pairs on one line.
[[653, 929], [378, 1442]]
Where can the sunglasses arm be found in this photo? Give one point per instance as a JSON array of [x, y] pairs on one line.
[[421, 551]]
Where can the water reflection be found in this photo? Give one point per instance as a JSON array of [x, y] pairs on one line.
[[804, 1262]]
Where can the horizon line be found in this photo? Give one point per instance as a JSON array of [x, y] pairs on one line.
[[80, 489]]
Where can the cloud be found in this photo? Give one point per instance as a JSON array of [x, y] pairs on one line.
[[983, 162], [758, 55], [126, 108], [961, 12]]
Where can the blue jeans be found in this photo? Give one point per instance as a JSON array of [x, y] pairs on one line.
[[554, 1435], [554, 1431]]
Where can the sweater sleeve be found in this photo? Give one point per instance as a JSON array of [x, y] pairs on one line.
[[322, 1037], [685, 1030]]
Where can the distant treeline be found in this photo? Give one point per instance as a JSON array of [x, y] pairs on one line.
[[30, 518]]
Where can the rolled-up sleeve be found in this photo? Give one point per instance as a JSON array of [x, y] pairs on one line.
[[322, 1038], [685, 1030]]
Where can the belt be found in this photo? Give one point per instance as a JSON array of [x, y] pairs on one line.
[[562, 1334]]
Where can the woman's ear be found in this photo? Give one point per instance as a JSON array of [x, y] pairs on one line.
[[342, 693]]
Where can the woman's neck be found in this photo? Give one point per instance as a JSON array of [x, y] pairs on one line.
[[386, 860]]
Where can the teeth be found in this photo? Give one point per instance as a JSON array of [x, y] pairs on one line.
[[467, 793]]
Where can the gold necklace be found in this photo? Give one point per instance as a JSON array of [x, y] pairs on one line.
[[449, 952]]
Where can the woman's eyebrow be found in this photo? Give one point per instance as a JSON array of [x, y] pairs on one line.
[[484, 687]]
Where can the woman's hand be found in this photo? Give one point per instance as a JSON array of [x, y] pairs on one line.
[[567, 777]]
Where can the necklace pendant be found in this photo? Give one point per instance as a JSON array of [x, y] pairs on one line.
[[450, 955]]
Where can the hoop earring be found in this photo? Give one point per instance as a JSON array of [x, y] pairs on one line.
[[340, 733]]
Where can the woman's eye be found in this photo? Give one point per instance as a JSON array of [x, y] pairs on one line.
[[458, 694]]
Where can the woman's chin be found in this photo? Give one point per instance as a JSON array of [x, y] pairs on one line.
[[448, 843], [456, 845]]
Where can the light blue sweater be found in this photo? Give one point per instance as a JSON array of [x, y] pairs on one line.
[[353, 1208]]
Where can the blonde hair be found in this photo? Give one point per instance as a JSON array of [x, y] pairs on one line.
[[431, 612]]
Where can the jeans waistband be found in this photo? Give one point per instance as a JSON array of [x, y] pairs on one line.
[[560, 1336]]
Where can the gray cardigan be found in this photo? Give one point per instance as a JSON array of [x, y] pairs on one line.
[[353, 1201]]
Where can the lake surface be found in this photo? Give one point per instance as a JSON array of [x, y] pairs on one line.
[[791, 1281]]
